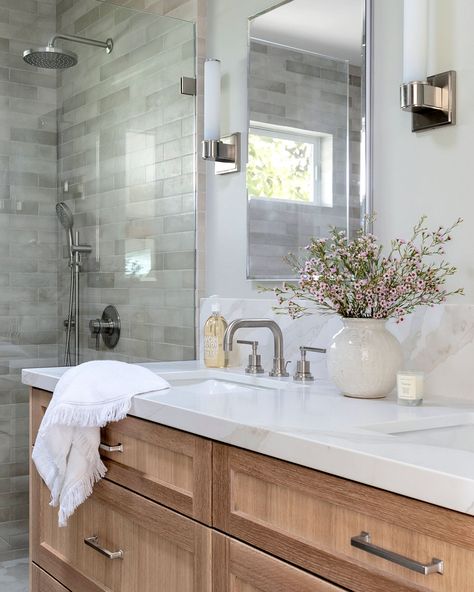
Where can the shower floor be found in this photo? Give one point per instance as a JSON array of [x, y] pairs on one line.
[[14, 575]]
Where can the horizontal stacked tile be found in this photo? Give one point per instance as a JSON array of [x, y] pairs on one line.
[[306, 91], [127, 151], [28, 247], [125, 139]]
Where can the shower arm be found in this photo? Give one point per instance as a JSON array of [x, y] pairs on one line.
[[107, 45]]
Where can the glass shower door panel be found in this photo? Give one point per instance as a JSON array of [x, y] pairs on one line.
[[127, 158]]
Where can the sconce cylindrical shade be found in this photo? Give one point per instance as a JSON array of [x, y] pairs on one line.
[[415, 40], [212, 99]]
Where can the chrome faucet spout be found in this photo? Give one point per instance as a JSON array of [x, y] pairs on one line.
[[279, 365]]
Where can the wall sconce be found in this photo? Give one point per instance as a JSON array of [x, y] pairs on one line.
[[430, 99], [224, 151]]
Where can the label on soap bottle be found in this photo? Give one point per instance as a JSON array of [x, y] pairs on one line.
[[211, 345]]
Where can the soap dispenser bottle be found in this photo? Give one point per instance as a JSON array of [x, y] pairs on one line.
[[214, 329]]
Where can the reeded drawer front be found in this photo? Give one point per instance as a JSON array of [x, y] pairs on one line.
[[171, 467], [119, 541], [309, 518], [240, 568]]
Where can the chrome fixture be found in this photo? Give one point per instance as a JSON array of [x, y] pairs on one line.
[[364, 543], [188, 86], [57, 58], [224, 151], [255, 359], [303, 368], [66, 218], [93, 542], [111, 448], [430, 99], [108, 326], [431, 102], [279, 365]]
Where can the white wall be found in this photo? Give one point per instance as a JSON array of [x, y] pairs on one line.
[[431, 172], [428, 173]]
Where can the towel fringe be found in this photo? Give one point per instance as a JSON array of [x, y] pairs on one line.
[[87, 416], [81, 490]]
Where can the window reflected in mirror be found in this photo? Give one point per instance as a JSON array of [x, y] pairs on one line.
[[287, 164]]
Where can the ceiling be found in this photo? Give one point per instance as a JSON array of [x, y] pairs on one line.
[[329, 27]]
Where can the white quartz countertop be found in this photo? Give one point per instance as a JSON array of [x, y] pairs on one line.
[[413, 451]]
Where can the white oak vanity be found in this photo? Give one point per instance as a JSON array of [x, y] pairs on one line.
[[179, 512]]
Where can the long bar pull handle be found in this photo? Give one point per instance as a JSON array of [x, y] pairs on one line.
[[362, 541], [93, 542], [107, 448]]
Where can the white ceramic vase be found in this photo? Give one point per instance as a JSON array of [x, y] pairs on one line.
[[364, 358]]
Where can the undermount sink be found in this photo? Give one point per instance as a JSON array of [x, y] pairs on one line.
[[455, 431], [209, 381], [212, 386]]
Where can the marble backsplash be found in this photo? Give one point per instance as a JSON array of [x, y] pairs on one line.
[[439, 341]]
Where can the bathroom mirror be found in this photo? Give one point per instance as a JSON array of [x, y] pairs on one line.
[[309, 127]]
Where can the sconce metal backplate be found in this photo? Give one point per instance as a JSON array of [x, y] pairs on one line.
[[432, 103], [225, 153], [223, 168]]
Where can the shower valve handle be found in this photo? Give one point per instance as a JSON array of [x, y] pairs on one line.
[[108, 327], [99, 327]]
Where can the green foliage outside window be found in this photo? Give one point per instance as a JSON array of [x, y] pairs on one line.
[[280, 168]]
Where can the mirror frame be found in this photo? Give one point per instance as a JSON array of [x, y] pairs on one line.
[[366, 117]]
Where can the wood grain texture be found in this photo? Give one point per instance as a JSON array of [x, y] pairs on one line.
[[169, 466], [163, 550], [240, 568], [172, 467], [40, 581], [308, 518]]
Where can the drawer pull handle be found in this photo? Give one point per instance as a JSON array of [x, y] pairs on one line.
[[362, 541], [93, 542], [107, 448]]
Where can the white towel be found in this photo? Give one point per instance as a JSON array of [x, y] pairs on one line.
[[86, 398]]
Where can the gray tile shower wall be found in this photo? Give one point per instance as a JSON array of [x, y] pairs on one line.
[[28, 247], [315, 93], [127, 148], [127, 151]]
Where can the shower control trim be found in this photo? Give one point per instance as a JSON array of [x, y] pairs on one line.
[[108, 326]]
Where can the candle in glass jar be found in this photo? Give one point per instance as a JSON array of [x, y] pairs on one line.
[[410, 387]]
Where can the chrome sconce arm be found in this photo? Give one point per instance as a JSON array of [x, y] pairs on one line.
[[431, 102]]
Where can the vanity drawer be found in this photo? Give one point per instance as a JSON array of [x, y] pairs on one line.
[[309, 518], [160, 549], [240, 568], [43, 582], [166, 465]]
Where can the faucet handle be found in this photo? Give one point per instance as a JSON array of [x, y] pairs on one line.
[[303, 368], [254, 365]]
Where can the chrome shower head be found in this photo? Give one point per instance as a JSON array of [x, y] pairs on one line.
[[58, 59], [66, 218], [50, 57]]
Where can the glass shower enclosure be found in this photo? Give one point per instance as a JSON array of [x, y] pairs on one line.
[[112, 139]]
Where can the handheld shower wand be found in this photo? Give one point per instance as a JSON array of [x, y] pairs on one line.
[[75, 249], [66, 218]]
